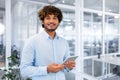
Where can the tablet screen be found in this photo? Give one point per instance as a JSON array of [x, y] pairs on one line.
[[70, 58]]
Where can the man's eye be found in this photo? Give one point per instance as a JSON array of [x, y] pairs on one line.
[[47, 18], [55, 18]]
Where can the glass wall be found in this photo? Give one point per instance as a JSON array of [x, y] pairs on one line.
[[111, 34], [92, 31], [93, 4], [112, 6], [100, 34]]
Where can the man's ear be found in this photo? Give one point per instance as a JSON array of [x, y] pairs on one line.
[[42, 24]]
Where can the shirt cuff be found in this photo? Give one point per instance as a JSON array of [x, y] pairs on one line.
[[43, 70]]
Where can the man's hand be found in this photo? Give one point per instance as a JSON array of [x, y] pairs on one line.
[[53, 68], [70, 64]]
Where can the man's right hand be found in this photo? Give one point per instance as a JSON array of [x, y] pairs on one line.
[[53, 68]]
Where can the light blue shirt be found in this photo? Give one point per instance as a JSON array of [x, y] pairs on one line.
[[40, 51]]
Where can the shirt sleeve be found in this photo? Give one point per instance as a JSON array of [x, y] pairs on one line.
[[27, 67]]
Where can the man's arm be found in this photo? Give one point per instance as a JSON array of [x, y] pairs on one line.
[[27, 67]]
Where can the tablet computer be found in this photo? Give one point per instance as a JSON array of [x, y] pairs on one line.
[[70, 58]]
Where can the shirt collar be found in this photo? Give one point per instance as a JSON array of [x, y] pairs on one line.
[[46, 35]]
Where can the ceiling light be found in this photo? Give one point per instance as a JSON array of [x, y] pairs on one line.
[[52, 1], [63, 1], [116, 17]]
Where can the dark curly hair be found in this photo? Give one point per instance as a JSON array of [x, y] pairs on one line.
[[48, 10]]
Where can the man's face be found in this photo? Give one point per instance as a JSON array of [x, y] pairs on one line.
[[51, 22]]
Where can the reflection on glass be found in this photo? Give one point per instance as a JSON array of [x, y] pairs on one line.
[[112, 6], [67, 29], [32, 24], [92, 24], [111, 25], [25, 22], [72, 46], [92, 46], [111, 44], [111, 32], [67, 2], [88, 66], [93, 4], [97, 68], [92, 32]]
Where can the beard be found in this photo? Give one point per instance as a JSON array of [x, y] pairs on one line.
[[50, 29]]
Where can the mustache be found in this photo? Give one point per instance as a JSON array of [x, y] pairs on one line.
[[51, 23]]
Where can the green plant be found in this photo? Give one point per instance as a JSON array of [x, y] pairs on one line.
[[12, 72]]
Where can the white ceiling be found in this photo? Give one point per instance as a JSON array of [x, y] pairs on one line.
[[2, 4], [65, 2]]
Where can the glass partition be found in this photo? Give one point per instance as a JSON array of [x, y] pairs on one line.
[[111, 34], [67, 2], [67, 29], [111, 44], [93, 4], [88, 66], [100, 37], [111, 24], [112, 6], [92, 32]]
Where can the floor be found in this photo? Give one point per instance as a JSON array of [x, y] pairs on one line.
[[113, 78]]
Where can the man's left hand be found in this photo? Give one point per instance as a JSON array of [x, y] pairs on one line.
[[70, 64]]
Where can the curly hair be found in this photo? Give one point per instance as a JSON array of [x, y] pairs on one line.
[[48, 10]]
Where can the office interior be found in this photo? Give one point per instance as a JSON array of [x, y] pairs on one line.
[[91, 27]]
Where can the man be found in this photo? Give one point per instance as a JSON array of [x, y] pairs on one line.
[[43, 54]]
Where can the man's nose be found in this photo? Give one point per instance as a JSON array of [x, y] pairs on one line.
[[51, 20]]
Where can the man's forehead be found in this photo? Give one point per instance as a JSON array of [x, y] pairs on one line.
[[51, 15]]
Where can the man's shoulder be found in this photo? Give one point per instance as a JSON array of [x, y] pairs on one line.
[[32, 38]]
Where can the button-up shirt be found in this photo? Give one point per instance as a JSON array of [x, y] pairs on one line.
[[40, 51]]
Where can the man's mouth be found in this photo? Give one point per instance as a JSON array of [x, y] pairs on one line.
[[51, 24]]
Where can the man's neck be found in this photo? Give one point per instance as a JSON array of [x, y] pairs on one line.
[[51, 34]]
